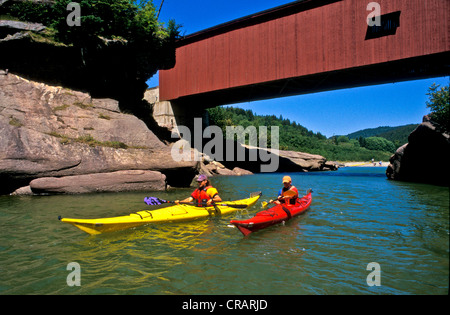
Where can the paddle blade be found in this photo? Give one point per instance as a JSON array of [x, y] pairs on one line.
[[289, 193], [152, 201]]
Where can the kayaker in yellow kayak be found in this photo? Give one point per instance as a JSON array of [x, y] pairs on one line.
[[283, 197], [204, 193]]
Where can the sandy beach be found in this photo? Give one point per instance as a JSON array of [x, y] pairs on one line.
[[365, 164]]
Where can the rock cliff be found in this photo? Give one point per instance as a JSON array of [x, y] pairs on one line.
[[424, 158], [50, 131]]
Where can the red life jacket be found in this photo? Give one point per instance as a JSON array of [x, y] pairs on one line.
[[201, 196]]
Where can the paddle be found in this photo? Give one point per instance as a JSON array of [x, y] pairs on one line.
[[156, 201], [287, 193]]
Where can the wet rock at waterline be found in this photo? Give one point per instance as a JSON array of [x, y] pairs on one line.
[[131, 180]]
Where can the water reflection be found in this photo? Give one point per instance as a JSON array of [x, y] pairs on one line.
[[352, 221]]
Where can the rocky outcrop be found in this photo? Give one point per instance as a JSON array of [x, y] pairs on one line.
[[305, 162], [132, 180], [50, 131], [424, 158], [282, 161], [113, 68], [212, 168], [290, 161], [14, 27]]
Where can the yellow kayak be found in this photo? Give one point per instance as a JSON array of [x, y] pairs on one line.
[[175, 213]]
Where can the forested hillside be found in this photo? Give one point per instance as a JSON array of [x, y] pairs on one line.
[[295, 137], [397, 135]]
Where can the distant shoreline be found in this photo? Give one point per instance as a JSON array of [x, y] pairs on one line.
[[365, 164]]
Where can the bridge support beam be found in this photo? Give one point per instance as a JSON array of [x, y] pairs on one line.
[[170, 114]]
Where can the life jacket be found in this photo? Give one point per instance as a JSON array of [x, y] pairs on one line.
[[204, 194], [292, 201]]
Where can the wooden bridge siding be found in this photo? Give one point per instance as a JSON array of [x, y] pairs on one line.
[[326, 38]]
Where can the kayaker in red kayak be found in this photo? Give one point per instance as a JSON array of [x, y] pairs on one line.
[[205, 193], [288, 199]]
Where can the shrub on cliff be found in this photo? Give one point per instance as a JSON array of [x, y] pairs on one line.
[[40, 12], [133, 21]]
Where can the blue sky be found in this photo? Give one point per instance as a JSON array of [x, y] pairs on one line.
[[331, 113]]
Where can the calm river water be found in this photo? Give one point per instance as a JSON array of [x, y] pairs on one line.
[[357, 217]]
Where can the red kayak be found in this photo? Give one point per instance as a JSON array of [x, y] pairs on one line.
[[274, 215]]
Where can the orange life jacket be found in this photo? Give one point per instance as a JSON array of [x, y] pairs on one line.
[[201, 196]]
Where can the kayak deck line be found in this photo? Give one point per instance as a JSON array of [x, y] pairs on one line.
[[175, 213]]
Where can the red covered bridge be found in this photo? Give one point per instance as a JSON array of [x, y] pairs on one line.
[[310, 46]]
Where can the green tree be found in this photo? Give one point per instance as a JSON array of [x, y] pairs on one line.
[[343, 139], [28, 11], [131, 20], [362, 141], [439, 103], [355, 143], [134, 21], [379, 143]]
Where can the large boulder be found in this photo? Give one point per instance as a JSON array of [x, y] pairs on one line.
[[256, 160], [294, 161], [133, 180], [304, 162], [425, 158]]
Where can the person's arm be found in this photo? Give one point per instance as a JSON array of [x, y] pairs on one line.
[[188, 199], [214, 194], [276, 200]]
